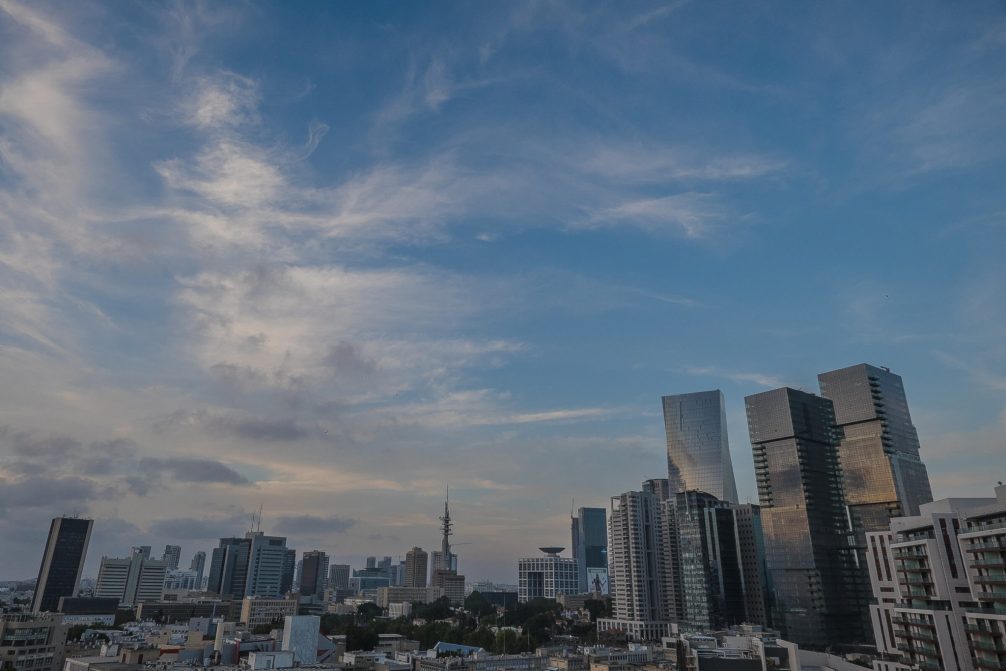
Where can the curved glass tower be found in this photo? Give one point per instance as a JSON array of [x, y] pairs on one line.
[[698, 453]]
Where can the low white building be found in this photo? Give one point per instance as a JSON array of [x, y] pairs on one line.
[[546, 577]]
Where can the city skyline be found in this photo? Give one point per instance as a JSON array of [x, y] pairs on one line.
[[327, 262]]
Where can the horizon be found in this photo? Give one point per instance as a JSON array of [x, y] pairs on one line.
[[327, 262]]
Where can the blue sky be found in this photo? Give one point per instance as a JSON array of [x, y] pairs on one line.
[[326, 258]]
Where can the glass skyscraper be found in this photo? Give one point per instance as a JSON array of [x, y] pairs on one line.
[[590, 549], [809, 557], [879, 446], [698, 453], [62, 563]]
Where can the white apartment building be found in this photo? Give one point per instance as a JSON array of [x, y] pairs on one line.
[[939, 580]]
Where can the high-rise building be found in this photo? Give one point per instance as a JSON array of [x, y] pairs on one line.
[[198, 565], [256, 565], [546, 577], [62, 562], [416, 566], [313, 573], [698, 452], [709, 559], [809, 557], [751, 542], [131, 580], [172, 554], [938, 580], [642, 564], [338, 576], [883, 476], [590, 549]]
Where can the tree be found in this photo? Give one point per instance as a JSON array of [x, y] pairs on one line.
[[478, 605], [360, 638], [598, 608], [366, 612]]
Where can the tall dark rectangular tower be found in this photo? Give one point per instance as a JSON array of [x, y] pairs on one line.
[[590, 549], [698, 452], [809, 556], [62, 563]]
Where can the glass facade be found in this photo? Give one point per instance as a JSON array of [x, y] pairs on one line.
[[590, 548], [62, 563], [698, 453], [809, 558]]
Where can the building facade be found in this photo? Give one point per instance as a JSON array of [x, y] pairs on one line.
[[256, 565], [547, 576], [32, 642], [259, 611], [338, 576], [62, 562], [416, 566], [698, 452], [313, 573], [198, 565], [589, 530], [131, 580], [810, 559], [172, 555]]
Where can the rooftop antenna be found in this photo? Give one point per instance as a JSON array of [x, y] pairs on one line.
[[259, 526]]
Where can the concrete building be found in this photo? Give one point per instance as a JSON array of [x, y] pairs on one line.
[[548, 576], [32, 642], [589, 531], [62, 562], [396, 594], [698, 452], [810, 559], [645, 590], [416, 566], [131, 580], [939, 580], [258, 611], [300, 636], [172, 555], [88, 610]]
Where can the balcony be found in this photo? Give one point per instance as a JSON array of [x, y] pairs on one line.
[[987, 647], [990, 579]]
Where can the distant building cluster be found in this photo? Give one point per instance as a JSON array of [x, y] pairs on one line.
[[844, 551]]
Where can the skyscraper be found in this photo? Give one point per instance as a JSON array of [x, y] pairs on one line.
[[172, 553], [883, 476], [313, 573], [809, 558], [416, 566], [338, 576], [590, 549], [256, 565], [641, 559], [199, 566], [698, 452], [62, 562]]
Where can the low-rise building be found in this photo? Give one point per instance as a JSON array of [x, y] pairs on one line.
[[258, 611], [389, 595]]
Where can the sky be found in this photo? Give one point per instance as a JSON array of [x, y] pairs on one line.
[[328, 258]]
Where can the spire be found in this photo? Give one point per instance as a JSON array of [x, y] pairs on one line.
[[446, 529]]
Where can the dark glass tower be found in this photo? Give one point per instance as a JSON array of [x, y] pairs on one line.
[[62, 563], [698, 453], [809, 556], [883, 476], [590, 548]]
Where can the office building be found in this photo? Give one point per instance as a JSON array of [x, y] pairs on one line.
[[181, 581], [751, 542], [34, 642], [313, 573], [546, 577], [416, 566], [939, 581], [257, 611], [709, 560], [62, 562], [698, 452], [590, 549], [198, 566], [88, 610], [389, 595], [338, 576], [642, 562], [131, 580], [172, 555], [256, 565], [810, 559]]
